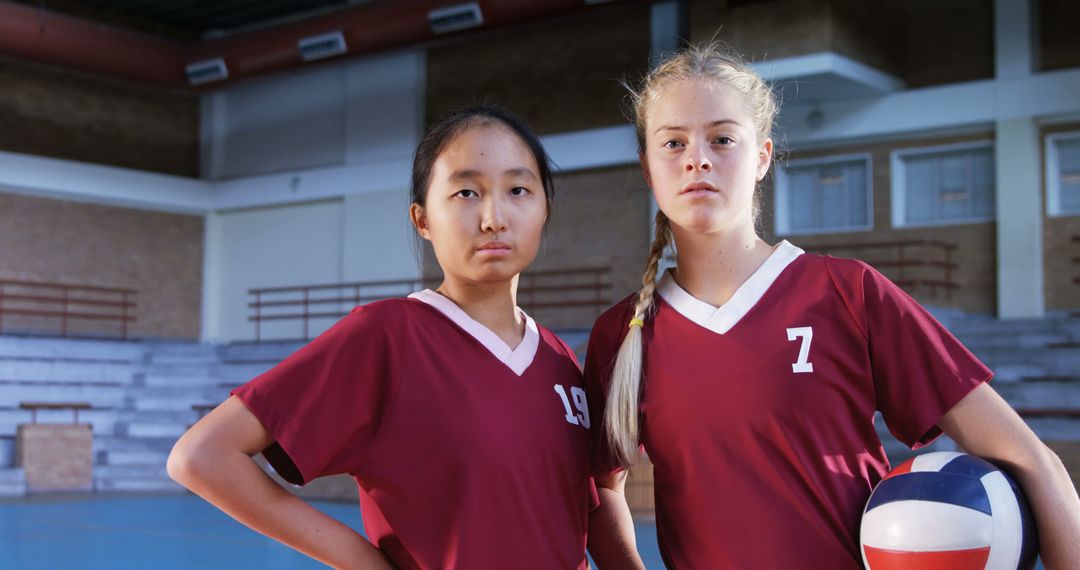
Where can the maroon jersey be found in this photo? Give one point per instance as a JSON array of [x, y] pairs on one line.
[[467, 453], [758, 415]]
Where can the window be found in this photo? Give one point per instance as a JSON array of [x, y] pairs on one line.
[[1063, 174], [831, 194], [943, 185]]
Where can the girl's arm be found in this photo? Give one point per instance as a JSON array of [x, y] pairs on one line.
[[611, 528], [983, 424], [213, 460]]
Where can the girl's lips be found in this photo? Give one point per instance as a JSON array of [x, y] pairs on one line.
[[494, 248], [698, 188]]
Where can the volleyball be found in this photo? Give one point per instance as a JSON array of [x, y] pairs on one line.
[[948, 510]]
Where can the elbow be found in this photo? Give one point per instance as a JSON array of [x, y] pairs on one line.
[[181, 465], [178, 464], [1051, 461]]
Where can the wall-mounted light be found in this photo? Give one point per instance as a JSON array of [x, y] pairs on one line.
[[322, 46], [207, 71], [456, 18]]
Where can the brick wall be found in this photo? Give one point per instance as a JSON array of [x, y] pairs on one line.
[[560, 76], [923, 43], [1059, 43], [62, 114], [946, 42], [158, 254], [760, 30]]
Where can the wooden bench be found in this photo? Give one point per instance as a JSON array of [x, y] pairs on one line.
[[35, 406]]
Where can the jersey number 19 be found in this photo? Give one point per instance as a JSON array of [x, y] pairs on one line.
[[581, 417]]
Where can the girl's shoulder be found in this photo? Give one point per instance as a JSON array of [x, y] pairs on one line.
[[387, 315], [840, 269]]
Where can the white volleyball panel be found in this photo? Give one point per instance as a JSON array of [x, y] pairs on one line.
[[926, 526], [1008, 526], [933, 461]]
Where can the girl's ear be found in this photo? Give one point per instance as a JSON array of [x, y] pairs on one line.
[[764, 158], [419, 221]]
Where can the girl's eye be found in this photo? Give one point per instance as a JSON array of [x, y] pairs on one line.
[[723, 140], [672, 144], [466, 193], [519, 191]]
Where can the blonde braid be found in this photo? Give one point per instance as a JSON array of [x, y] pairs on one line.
[[621, 413]]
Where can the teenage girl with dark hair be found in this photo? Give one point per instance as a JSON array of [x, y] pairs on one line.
[[462, 420]]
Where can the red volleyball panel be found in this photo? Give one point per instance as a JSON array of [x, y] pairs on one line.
[[904, 467], [882, 559]]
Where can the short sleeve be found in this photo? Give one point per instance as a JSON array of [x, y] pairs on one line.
[[324, 404], [920, 370], [604, 341]]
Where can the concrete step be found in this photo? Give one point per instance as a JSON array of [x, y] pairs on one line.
[[992, 340], [106, 445], [91, 349], [154, 416], [67, 371], [1004, 373], [7, 452], [137, 485], [238, 373], [266, 351], [962, 326], [179, 403], [1040, 393], [132, 477], [153, 429], [1046, 362], [102, 421], [12, 482], [1055, 428], [100, 394], [180, 348], [196, 381], [136, 458], [182, 359]]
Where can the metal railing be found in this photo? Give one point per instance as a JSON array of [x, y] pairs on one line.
[[538, 290], [64, 304], [905, 261]]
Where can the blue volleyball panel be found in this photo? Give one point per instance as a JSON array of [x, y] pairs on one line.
[[968, 465], [959, 490], [1030, 550]]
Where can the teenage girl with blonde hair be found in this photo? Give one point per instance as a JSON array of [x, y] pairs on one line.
[[751, 373]]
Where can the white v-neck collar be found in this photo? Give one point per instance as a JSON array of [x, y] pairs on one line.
[[720, 319], [516, 359]]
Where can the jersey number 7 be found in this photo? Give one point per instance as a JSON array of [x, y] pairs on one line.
[[807, 335]]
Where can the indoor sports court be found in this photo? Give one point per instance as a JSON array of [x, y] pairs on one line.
[[192, 191]]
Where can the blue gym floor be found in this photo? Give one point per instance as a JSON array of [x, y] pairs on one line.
[[163, 533]]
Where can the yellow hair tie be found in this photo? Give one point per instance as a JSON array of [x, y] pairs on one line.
[[637, 323]]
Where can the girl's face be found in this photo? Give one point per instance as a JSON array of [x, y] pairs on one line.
[[702, 157], [485, 207]]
